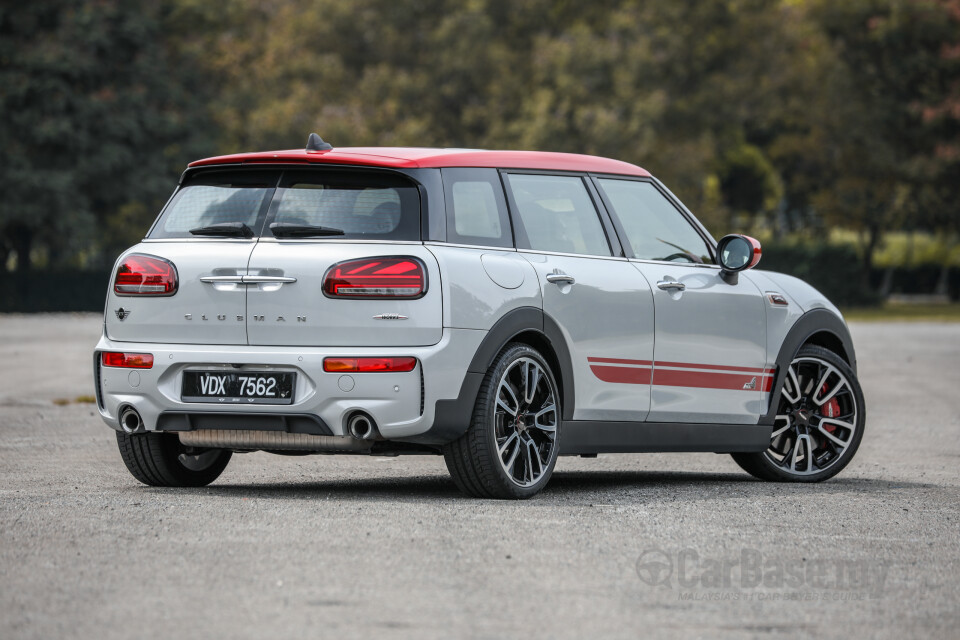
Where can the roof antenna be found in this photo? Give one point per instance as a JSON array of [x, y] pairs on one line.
[[316, 143]]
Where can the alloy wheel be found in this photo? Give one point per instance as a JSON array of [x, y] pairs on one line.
[[816, 418], [526, 421]]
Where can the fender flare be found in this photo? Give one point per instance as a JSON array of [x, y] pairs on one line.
[[810, 323], [451, 418]]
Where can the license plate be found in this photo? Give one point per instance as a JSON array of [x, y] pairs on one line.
[[248, 387]]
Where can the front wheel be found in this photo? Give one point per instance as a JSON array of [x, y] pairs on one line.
[[819, 422], [161, 460], [510, 449]]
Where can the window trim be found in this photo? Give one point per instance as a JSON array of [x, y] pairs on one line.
[[522, 241], [685, 213]]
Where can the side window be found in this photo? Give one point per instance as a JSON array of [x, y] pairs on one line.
[[476, 209], [655, 229], [557, 214]]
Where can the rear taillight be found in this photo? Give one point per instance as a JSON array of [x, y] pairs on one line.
[[126, 360], [140, 275], [369, 365], [376, 278]]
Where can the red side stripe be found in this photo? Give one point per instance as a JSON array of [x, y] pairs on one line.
[[732, 381], [628, 375], [639, 363], [711, 376], [687, 365]]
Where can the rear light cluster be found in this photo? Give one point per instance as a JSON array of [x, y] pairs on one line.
[[369, 365], [376, 278], [140, 275], [126, 360]]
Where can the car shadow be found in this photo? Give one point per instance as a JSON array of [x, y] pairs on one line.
[[621, 487]]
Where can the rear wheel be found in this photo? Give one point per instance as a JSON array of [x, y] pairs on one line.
[[160, 460], [819, 422], [510, 449]]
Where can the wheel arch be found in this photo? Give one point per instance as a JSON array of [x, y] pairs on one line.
[[829, 340], [820, 327], [528, 325]]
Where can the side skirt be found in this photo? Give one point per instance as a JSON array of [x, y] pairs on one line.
[[579, 437]]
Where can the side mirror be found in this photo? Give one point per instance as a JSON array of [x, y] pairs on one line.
[[736, 253]]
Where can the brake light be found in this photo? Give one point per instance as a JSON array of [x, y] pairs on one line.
[[376, 278], [140, 275], [369, 365], [126, 360]]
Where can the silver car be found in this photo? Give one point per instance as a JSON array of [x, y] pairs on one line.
[[500, 308]]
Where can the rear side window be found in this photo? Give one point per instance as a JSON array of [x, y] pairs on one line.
[[558, 215], [370, 205], [217, 197], [476, 208], [655, 229]]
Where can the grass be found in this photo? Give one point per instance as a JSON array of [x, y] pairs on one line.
[[61, 402], [905, 312]]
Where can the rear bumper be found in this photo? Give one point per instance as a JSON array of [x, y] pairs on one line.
[[402, 404]]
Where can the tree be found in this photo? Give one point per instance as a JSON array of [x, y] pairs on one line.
[[92, 113], [891, 120]]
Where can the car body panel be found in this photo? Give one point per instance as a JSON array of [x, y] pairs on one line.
[[481, 285], [199, 312], [780, 317], [298, 313], [710, 360], [394, 400], [606, 316], [414, 157]]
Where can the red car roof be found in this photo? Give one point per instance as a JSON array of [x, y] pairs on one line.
[[412, 157]]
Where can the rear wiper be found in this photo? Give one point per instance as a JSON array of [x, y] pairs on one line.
[[289, 230], [224, 229]]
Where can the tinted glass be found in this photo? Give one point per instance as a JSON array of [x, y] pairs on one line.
[[362, 205], [214, 198], [558, 215], [476, 209], [655, 229]]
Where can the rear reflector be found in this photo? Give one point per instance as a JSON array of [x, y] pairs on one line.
[[126, 360], [140, 275], [369, 365], [403, 277]]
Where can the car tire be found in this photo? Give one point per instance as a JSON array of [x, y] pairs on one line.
[[160, 460], [820, 421], [511, 446]]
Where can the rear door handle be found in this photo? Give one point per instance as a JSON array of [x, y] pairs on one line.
[[247, 279], [667, 285], [267, 279], [559, 277]]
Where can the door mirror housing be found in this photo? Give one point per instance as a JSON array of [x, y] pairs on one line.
[[736, 253]]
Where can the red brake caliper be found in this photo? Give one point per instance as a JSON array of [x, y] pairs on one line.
[[830, 409]]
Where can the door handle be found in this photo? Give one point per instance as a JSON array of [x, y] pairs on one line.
[[667, 285], [247, 279], [267, 279], [558, 277]]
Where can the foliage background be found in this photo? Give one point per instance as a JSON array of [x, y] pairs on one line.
[[805, 122]]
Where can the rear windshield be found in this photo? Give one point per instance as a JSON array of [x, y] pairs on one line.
[[363, 205]]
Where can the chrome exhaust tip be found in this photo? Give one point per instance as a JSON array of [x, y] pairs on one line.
[[130, 420], [361, 427]]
